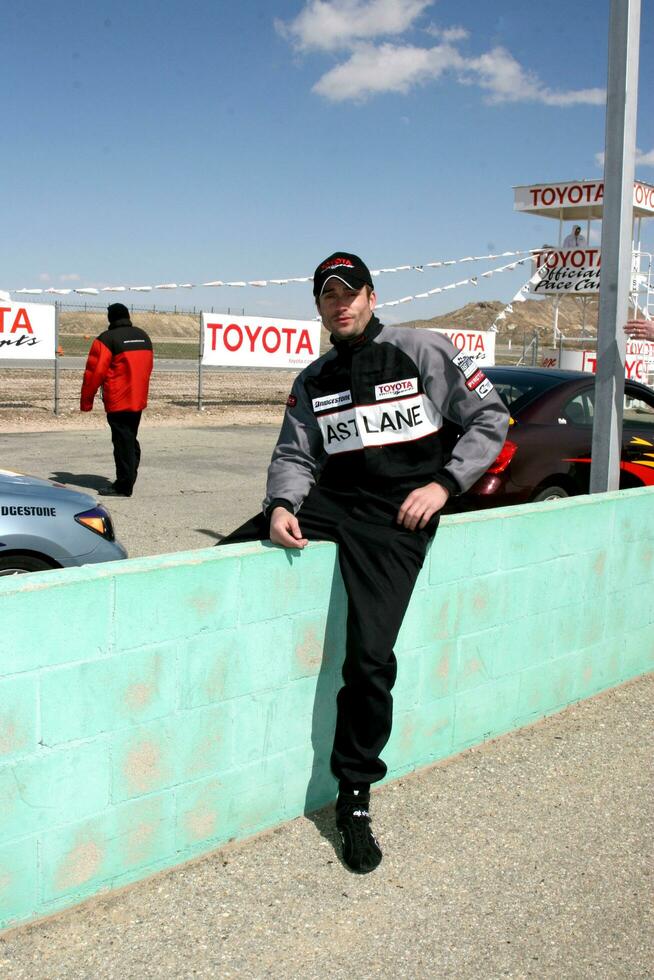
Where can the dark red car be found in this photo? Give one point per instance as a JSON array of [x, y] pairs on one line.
[[547, 451]]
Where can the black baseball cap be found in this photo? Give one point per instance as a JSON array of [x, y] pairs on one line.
[[349, 268]]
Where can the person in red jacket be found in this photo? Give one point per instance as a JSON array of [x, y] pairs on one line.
[[120, 361]]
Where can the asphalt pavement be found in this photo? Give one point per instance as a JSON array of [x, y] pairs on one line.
[[530, 856], [195, 484]]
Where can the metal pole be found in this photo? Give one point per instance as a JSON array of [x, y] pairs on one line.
[[56, 362], [617, 222], [200, 349]]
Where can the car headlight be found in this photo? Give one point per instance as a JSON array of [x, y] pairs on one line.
[[98, 520]]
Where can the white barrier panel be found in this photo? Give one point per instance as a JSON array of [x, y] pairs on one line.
[[479, 344], [572, 270], [27, 331], [242, 341], [639, 360]]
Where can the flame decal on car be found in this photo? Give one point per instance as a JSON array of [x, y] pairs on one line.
[[641, 468]]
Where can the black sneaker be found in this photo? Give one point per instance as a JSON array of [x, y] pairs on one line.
[[361, 852]]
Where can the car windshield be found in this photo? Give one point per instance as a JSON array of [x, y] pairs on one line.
[[519, 389]]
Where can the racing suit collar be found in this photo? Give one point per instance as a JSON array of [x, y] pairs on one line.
[[372, 328]]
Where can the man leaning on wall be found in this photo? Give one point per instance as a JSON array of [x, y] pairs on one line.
[[360, 460]]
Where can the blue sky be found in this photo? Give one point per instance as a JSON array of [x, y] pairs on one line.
[[151, 142]]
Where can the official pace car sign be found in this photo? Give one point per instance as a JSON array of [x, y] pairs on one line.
[[479, 344], [567, 270], [27, 331], [242, 341]]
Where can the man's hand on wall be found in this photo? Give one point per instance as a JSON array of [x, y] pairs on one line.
[[421, 505], [640, 329], [285, 529]]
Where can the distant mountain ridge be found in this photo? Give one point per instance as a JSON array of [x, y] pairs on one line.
[[532, 315]]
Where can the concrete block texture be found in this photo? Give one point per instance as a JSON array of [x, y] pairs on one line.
[[151, 710]]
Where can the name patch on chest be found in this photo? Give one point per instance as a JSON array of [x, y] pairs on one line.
[[364, 426], [395, 389], [332, 401]]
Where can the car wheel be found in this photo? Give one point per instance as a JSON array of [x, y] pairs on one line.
[[19, 564], [550, 493]]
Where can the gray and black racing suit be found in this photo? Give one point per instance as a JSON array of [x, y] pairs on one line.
[[364, 426]]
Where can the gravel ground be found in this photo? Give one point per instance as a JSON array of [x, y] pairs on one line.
[[242, 397], [529, 856]]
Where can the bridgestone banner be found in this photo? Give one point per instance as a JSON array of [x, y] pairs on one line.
[[242, 341], [571, 270], [27, 331]]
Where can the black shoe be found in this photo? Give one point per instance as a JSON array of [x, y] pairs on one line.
[[361, 852], [114, 491]]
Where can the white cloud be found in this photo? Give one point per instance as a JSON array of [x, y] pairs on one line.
[[642, 159], [70, 277], [448, 34], [331, 24], [373, 69], [504, 78], [44, 277]]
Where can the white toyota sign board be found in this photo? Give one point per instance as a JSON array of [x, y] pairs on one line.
[[27, 331], [567, 270], [639, 360], [577, 199], [243, 341], [479, 344]]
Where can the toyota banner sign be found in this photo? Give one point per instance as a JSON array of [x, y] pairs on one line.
[[243, 341], [27, 331]]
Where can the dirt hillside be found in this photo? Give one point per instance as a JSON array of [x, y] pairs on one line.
[[532, 315], [160, 326]]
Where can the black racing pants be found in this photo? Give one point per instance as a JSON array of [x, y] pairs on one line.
[[379, 562], [127, 452]]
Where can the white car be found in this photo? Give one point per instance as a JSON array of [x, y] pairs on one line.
[[46, 525]]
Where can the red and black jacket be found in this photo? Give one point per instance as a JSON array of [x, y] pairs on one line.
[[120, 361]]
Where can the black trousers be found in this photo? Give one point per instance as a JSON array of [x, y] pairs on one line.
[[127, 451], [379, 562]]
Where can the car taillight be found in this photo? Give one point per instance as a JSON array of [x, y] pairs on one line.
[[507, 453], [98, 520]]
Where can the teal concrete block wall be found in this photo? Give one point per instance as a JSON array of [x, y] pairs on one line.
[[152, 710]]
